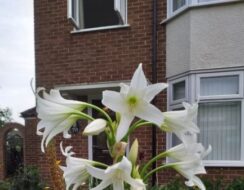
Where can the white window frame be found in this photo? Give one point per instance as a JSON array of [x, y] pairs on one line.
[[74, 20], [170, 7], [171, 93], [90, 141], [193, 86], [219, 97], [192, 3], [119, 6]]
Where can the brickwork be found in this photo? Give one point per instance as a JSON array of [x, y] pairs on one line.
[[63, 58]]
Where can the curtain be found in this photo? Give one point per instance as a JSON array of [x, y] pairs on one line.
[[220, 125]]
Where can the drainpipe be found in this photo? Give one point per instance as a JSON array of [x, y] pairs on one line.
[[154, 80]]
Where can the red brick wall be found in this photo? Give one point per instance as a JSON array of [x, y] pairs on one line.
[[63, 58], [31, 142], [99, 56]]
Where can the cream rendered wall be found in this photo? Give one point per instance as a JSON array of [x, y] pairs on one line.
[[206, 37], [178, 45]]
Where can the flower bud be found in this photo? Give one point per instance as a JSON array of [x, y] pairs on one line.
[[133, 152], [119, 149], [95, 127]]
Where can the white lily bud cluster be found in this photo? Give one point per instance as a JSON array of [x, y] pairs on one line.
[[57, 115]]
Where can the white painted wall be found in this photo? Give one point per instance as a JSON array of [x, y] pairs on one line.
[[206, 37]]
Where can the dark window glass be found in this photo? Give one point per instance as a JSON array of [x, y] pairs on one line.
[[179, 90], [98, 13], [99, 142], [177, 4]]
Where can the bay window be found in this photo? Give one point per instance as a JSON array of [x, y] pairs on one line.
[[220, 113], [176, 6]]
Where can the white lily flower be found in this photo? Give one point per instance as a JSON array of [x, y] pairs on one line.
[[95, 127], [134, 101], [139, 188], [75, 173], [189, 162], [181, 122], [56, 115], [116, 175]]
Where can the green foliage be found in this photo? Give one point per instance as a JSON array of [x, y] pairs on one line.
[[4, 185], [213, 184], [236, 184], [178, 184], [26, 178], [5, 116]]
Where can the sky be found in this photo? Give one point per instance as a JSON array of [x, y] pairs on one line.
[[16, 56]]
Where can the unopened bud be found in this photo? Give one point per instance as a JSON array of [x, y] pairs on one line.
[[133, 152], [119, 149]]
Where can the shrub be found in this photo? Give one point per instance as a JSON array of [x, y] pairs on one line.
[[26, 178], [236, 184], [178, 184], [4, 185]]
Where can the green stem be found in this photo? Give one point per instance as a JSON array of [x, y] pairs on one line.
[[156, 170], [139, 121], [84, 116], [99, 164], [159, 156]]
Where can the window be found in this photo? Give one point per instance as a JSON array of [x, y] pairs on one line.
[[220, 113], [178, 92], [86, 14], [176, 6], [220, 126]]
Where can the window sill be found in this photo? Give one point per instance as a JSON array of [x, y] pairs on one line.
[[223, 164], [199, 5], [99, 28]]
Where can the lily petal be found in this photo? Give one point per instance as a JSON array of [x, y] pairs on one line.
[[150, 113], [114, 101], [61, 127], [153, 90], [118, 185], [95, 172], [138, 80], [123, 127], [195, 181], [102, 185]]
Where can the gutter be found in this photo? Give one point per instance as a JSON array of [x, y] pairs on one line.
[[154, 80]]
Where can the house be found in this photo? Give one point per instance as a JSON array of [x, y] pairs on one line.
[[205, 48], [195, 45]]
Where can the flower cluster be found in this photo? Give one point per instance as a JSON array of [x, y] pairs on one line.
[[57, 115]]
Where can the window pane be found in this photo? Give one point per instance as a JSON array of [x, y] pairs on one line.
[[98, 13], [220, 125], [222, 85], [178, 4], [175, 140], [179, 90], [74, 9]]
